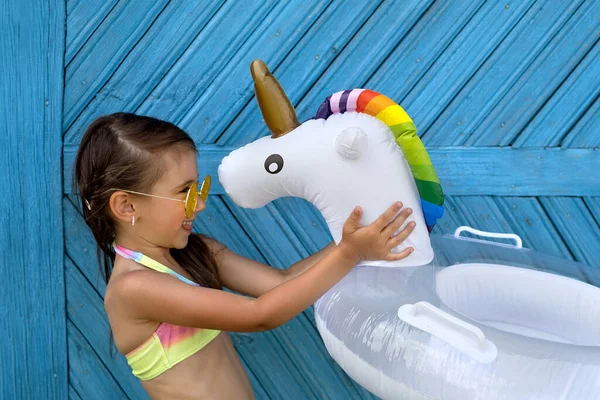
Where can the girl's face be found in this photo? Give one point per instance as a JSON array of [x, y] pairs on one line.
[[164, 221]]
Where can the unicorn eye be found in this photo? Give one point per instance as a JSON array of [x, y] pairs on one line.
[[274, 164]]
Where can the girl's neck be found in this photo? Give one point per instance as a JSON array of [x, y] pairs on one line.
[[160, 254]]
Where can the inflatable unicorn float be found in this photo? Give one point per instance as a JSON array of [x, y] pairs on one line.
[[460, 318]]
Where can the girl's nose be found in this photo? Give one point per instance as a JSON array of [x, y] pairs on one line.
[[200, 205]]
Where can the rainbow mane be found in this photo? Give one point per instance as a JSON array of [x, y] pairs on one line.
[[405, 133]]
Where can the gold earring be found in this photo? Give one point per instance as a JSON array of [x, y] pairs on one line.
[[132, 220]]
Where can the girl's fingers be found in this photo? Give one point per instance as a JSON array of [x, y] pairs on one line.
[[353, 221], [385, 218], [398, 256], [396, 223], [401, 237]]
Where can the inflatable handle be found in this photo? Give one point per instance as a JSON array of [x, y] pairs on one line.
[[465, 337], [474, 231]]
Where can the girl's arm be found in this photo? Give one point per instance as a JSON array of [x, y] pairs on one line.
[[148, 296], [302, 265], [254, 278]]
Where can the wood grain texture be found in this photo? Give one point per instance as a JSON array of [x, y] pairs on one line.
[[542, 78], [103, 53], [557, 118], [32, 295], [523, 44], [83, 18], [177, 26]]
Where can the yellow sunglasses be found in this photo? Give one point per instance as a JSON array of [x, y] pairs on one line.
[[191, 199]]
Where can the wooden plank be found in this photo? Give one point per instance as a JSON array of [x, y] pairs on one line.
[[73, 395], [466, 171], [557, 117], [585, 133], [83, 18], [175, 29], [512, 172], [87, 374], [460, 60], [527, 218], [499, 72], [80, 246], [576, 226], [202, 62], [86, 311], [363, 32], [102, 54], [593, 203], [231, 89], [420, 49], [32, 298], [542, 78]]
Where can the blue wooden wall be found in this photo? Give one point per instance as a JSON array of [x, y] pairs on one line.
[[506, 95]]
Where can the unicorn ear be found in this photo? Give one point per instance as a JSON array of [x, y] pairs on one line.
[[351, 143]]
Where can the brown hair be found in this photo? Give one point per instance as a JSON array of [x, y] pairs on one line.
[[119, 151]]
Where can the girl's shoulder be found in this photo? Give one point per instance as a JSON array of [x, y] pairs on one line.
[[124, 269]]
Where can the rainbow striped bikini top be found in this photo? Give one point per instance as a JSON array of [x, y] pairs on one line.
[[169, 344]]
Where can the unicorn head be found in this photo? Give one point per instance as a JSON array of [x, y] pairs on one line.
[[361, 148]]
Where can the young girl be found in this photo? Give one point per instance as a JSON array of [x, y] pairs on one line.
[[137, 178]]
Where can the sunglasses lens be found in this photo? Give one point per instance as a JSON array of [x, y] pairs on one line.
[[191, 201], [205, 188]]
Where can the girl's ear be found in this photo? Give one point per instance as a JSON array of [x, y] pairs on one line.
[[121, 206]]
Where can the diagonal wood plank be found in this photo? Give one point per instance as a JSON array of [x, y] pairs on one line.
[[232, 88], [175, 29], [87, 374], [528, 219], [210, 52], [83, 18], [101, 55], [460, 60], [562, 111], [541, 79], [86, 311], [499, 72], [80, 246], [576, 226], [344, 41], [593, 203], [421, 48], [73, 395], [585, 133]]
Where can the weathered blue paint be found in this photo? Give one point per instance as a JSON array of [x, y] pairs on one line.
[[32, 295]]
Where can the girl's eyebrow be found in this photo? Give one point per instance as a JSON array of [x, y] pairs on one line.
[[189, 182]]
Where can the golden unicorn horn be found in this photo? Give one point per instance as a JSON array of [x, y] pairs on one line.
[[277, 111]]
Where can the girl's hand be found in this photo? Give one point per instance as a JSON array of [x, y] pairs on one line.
[[375, 241]]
